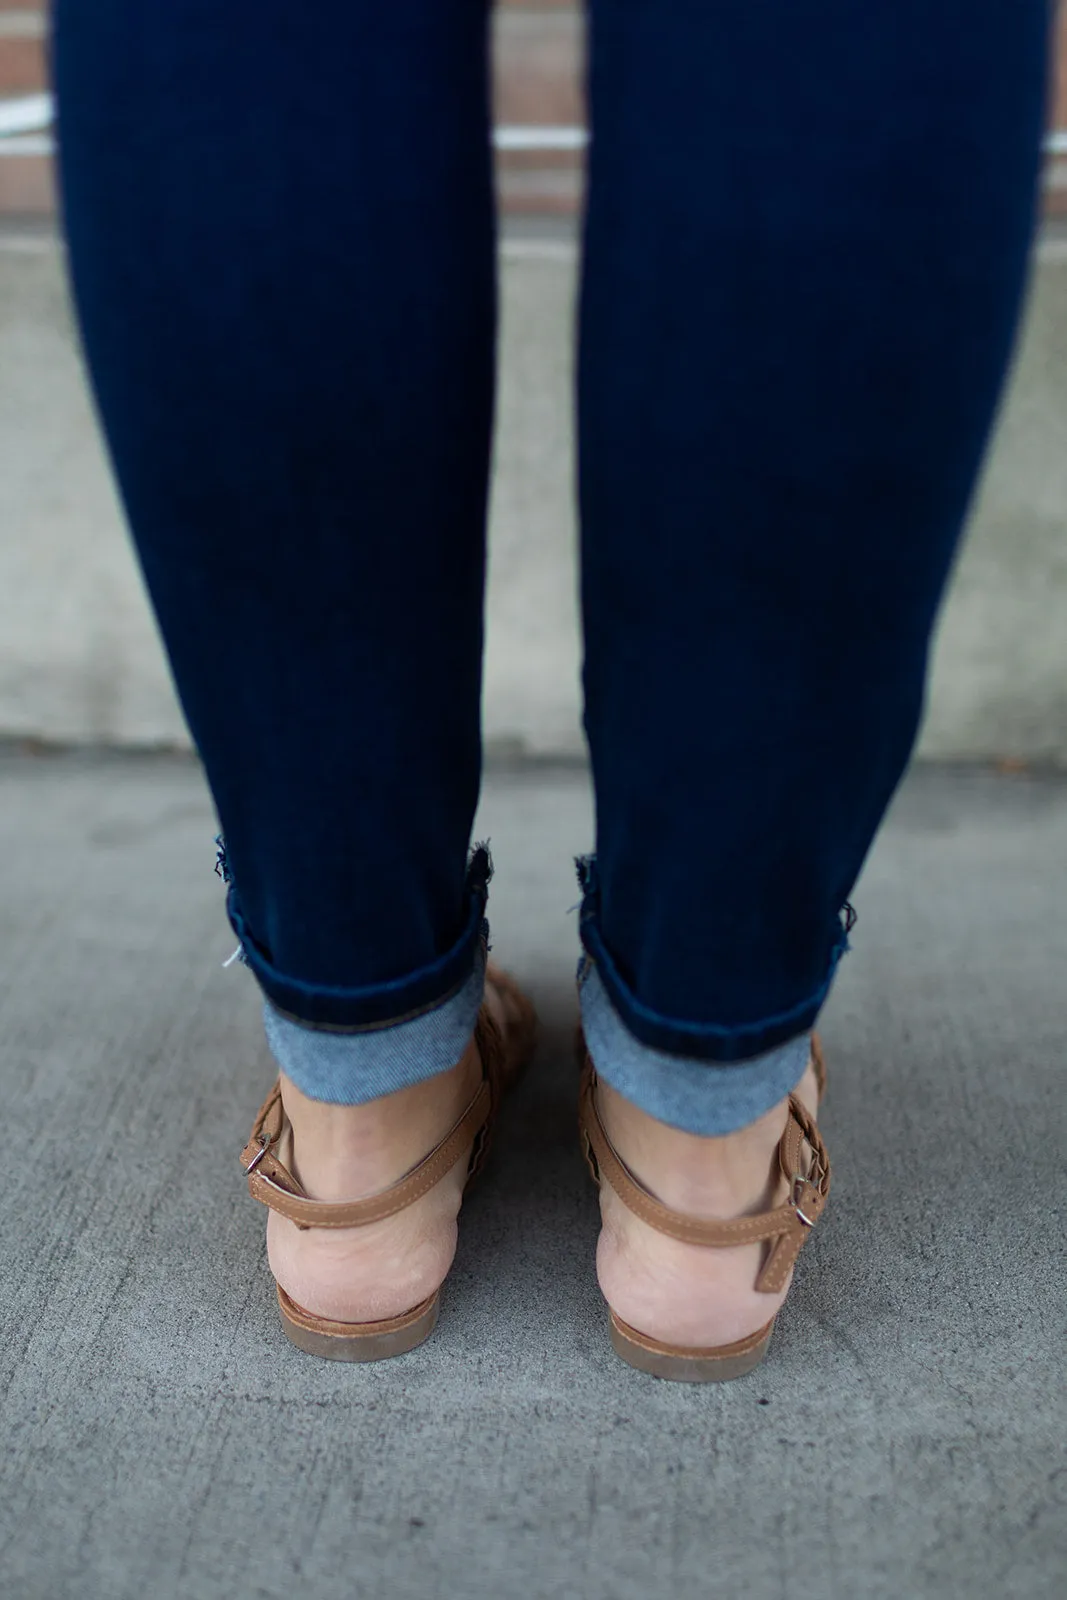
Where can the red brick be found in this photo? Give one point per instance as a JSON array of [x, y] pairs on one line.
[[543, 192], [22, 65], [1059, 99], [538, 66], [27, 188]]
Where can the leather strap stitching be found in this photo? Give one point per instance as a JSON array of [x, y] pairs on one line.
[[270, 1182], [275, 1186], [788, 1224]]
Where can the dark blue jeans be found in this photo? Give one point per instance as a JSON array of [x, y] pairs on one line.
[[805, 249]]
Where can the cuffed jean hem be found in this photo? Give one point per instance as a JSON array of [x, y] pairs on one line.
[[702, 1041], [694, 1094], [382, 1005], [348, 1069]]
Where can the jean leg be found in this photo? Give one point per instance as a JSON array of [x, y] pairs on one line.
[[806, 246], [282, 246]]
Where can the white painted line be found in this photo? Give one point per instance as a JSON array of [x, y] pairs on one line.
[[29, 113], [1049, 251], [564, 250], [28, 144], [1052, 252], [29, 244], [21, 25], [515, 137], [34, 114]]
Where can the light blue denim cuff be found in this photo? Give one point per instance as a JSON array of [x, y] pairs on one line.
[[347, 1069], [706, 1097]]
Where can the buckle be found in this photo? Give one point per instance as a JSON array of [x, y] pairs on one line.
[[265, 1142], [815, 1180], [796, 1196]]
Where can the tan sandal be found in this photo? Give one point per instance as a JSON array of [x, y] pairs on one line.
[[503, 1057], [805, 1166]]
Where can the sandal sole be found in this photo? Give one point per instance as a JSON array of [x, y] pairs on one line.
[[676, 1364], [358, 1341], [380, 1341]]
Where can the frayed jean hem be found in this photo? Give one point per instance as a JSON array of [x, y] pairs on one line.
[[717, 1044], [380, 1005], [348, 1069], [699, 1096]]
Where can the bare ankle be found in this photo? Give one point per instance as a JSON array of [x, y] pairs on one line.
[[346, 1152], [723, 1176]]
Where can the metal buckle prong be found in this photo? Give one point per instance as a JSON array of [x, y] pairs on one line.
[[265, 1142], [799, 1180]]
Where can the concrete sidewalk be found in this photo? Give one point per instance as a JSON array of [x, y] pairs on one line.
[[159, 1438]]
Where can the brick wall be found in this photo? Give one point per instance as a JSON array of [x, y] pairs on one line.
[[537, 65], [25, 181]]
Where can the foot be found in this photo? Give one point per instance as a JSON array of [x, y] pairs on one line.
[[347, 1152], [683, 1294]]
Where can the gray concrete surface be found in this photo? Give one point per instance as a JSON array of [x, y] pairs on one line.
[[158, 1437], [79, 659], [999, 685]]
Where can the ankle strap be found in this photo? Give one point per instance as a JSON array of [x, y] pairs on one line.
[[788, 1225], [270, 1182]]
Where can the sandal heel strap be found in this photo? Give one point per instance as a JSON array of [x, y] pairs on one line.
[[802, 1159], [270, 1182]]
